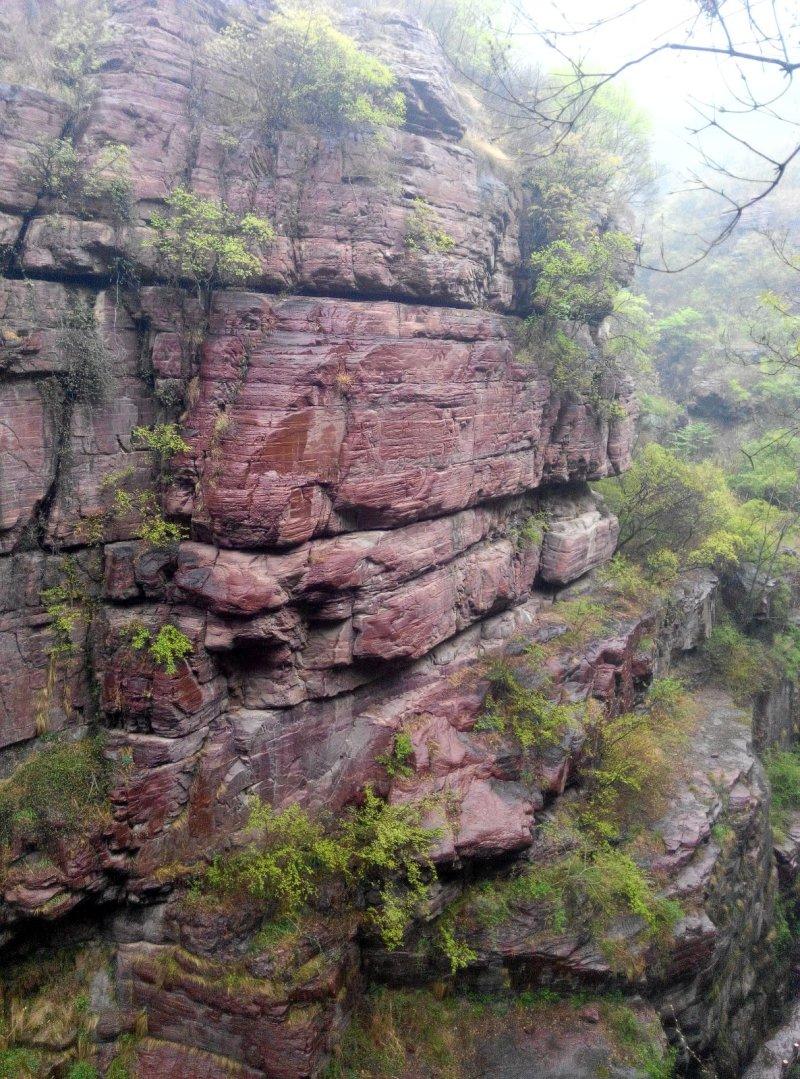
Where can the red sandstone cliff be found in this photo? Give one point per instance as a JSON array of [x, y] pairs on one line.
[[365, 449]]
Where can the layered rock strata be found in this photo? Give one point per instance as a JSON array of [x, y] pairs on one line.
[[379, 496]]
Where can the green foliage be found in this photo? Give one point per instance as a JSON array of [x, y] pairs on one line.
[[85, 361], [785, 652], [56, 47], [164, 440], [530, 533], [155, 530], [205, 243], [584, 618], [65, 605], [54, 169], [285, 867], [533, 719], [742, 663], [56, 791], [582, 261], [398, 763], [58, 172], [683, 337], [597, 167], [628, 581], [693, 440], [666, 503], [770, 469], [657, 407], [420, 1033], [631, 761], [109, 180], [594, 885], [19, 1063], [293, 859], [422, 231], [457, 952], [83, 1070], [168, 648], [578, 279], [783, 772], [299, 70]]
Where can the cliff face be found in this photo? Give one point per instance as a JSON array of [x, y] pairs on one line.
[[359, 468], [365, 455]]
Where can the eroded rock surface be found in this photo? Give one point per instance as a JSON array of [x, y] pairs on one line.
[[379, 499]]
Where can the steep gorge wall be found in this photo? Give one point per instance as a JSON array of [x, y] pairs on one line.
[[358, 467], [366, 452]]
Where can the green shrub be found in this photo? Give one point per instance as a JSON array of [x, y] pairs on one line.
[[584, 618], [58, 171], [299, 70], [83, 1070], [578, 278], [293, 858], [783, 772], [785, 652], [164, 440], [88, 363], [20, 1063], [65, 604], [741, 663], [54, 170], [398, 762], [285, 867], [457, 952], [770, 469], [167, 648], [109, 180], [530, 532], [533, 719], [628, 581], [630, 766], [206, 244], [592, 886], [422, 231], [56, 791], [666, 503], [694, 440]]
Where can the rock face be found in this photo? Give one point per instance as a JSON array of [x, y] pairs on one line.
[[377, 499]]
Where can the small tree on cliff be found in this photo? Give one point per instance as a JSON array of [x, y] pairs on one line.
[[301, 70], [204, 243]]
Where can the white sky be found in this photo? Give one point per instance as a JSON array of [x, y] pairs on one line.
[[668, 85]]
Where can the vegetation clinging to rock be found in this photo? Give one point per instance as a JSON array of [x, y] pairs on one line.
[[293, 859], [54, 794], [205, 243], [301, 70]]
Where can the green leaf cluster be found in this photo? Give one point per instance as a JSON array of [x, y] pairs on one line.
[[65, 605], [54, 793], [205, 243], [300, 70], [168, 648], [528, 714], [422, 231], [783, 772], [59, 172], [770, 469], [164, 440], [398, 763], [292, 859], [579, 277]]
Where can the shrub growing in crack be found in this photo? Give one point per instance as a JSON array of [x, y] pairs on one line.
[[206, 244]]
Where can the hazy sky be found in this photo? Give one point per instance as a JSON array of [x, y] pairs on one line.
[[670, 85]]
